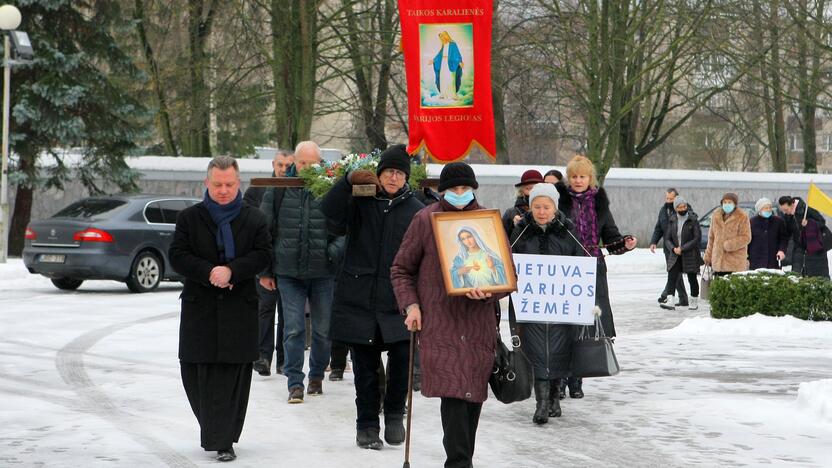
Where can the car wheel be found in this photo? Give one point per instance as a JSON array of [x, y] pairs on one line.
[[67, 284], [145, 274]]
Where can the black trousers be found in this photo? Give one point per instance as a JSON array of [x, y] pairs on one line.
[[366, 361], [268, 301], [679, 287], [674, 278], [459, 425], [338, 355], [218, 394]]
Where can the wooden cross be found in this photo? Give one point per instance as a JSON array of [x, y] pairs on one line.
[[357, 190]]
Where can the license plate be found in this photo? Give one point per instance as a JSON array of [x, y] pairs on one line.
[[52, 258]]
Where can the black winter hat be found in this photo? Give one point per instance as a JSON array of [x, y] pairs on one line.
[[395, 157], [457, 173]]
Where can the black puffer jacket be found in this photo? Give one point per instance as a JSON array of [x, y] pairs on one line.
[[548, 346], [303, 246], [609, 235], [364, 298], [691, 237]]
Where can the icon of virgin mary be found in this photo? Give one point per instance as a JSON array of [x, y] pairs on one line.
[[476, 265], [447, 66]]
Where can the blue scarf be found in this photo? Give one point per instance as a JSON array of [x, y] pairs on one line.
[[222, 215]]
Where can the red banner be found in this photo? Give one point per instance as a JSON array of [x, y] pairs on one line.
[[447, 57]]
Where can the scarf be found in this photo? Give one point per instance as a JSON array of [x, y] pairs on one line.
[[222, 215], [586, 219], [681, 220]]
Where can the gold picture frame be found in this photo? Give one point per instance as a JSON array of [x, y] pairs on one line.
[[473, 251]]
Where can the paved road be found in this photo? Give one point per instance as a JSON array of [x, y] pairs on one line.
[[90, 378]]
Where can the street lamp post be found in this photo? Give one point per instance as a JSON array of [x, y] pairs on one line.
[[10, 19]]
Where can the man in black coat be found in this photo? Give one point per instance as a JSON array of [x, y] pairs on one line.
[[806, 260], [364, 313], [268, 300], [659, 232], [219, 247]]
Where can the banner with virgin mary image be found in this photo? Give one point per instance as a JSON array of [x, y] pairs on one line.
[[447, 57]]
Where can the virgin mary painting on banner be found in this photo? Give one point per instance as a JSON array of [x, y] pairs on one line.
[[447, 80]]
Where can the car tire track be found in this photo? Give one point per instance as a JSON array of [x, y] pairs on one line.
[[70, 364]]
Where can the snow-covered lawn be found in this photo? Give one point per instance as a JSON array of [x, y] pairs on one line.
[[90, 378]]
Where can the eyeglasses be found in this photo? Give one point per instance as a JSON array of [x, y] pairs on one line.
[[394, 173]]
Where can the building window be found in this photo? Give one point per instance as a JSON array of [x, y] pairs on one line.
[[827, 142], [794, 142]]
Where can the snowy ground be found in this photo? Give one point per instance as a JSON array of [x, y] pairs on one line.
[[90, 378]]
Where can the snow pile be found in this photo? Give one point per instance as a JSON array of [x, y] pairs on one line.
[[15, 276], [816, 397], [760, 271], [756, 325], [638, 261]]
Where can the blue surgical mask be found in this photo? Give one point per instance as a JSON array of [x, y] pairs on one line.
[[765, 214], [728, 208], [459, 201]]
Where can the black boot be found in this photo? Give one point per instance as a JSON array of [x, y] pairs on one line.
[[575, 387], [562, 389], [554, 398], [226, 455], [394, 428], [368, 439], [263, 367], [541, 394]]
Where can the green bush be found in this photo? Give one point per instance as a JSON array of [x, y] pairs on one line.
[[738, 296]]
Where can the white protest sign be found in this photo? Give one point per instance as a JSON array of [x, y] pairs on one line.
[[555, 289]]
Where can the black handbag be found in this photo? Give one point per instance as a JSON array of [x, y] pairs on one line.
[[513, 375], [593, 356]]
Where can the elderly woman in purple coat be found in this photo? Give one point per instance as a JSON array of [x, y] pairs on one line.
[[447, 65]]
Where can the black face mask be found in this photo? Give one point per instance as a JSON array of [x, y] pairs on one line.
[[669, 205], [682, 213]]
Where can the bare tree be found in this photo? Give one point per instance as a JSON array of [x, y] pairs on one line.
[[636, 71]]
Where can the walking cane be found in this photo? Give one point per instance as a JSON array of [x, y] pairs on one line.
[[409, 401]]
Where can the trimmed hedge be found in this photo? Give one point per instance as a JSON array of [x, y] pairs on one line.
[[736, 296]]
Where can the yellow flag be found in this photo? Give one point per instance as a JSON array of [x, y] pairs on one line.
[[819, 200]]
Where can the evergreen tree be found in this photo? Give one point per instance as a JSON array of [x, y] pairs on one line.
[[72, 96]]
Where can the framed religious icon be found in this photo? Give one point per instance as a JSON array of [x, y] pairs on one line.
[[473, 251]]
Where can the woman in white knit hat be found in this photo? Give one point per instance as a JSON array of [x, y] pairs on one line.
[[545, 231], [769, 238]]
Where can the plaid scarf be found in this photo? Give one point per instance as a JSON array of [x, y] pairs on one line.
[[586, 219]]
